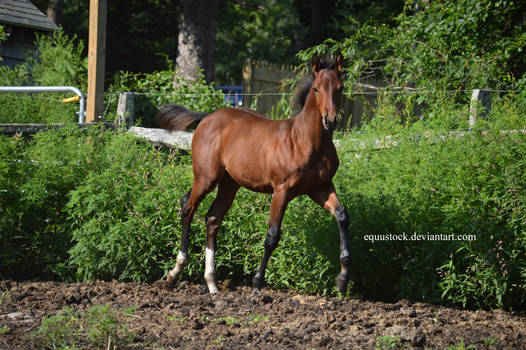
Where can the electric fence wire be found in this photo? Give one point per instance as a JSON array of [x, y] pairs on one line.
[[378, 91]]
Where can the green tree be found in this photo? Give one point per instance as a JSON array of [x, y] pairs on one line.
[[340, 18], [275, 31], [140, 33], [264, 30], [444, 48], [462, 44]]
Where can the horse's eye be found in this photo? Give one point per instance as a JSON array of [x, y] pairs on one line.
[[315, 89]]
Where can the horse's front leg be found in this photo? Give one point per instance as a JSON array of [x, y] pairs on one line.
[[327, 198], [280, 199]]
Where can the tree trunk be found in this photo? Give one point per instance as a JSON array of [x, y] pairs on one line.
[[54, 10], [197, 38]]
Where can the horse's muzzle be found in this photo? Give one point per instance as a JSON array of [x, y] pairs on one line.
[[328, 124]]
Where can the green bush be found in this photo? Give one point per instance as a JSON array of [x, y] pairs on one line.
[[125, 217], [102, 204], [35, 180], [471, 186], [58, 60]]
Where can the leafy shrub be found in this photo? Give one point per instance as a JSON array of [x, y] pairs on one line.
[[35, 179], [58, 60], [467, 185], [444, 50], [125, 216], [98, 204]]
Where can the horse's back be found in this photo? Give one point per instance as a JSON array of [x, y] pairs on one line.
[[235, 124]]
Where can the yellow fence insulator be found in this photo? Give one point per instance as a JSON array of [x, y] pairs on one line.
[[71, 99]]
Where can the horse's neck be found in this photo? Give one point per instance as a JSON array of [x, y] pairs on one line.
[[307, 125]]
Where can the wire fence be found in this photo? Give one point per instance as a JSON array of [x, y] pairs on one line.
[[368, 91], [378, 90]]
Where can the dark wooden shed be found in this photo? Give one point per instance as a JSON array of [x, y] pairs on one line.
[[22, 20]]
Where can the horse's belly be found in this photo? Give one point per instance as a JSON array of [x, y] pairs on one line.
[[252, 183], [250, 175]]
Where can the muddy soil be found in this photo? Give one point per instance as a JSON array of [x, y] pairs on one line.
[[189, 317]]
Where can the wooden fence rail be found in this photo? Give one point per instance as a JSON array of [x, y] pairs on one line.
[[183, 139]]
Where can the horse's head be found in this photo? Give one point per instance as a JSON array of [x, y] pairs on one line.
[[327, 89]]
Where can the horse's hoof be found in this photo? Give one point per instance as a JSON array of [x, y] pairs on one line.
[[258, 282], [170, 281], [169, 284], [213, 290], [341, 284]]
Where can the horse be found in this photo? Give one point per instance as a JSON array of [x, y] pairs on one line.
[[234, 147]]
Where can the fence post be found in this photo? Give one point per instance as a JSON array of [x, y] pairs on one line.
[[248, 82], [480, 105], [96, 60], [125, 108]]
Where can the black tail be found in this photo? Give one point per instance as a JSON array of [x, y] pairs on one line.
[[175, 117]]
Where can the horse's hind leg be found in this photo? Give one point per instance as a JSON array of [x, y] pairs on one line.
[[182, 257], [189, 204], [226, 192]]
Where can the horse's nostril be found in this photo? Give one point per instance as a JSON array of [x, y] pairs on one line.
[[328, 124]]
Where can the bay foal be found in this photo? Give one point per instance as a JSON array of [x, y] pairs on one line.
[[235, 147]]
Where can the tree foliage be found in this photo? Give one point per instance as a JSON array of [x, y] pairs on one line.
[[140, 34], [445, 49], [265, 30]]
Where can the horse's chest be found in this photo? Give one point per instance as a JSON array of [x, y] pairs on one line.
[[314, 173], [324, 169]]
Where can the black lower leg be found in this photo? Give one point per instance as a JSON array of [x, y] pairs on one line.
[[185, 199], [345, 256], [271, 242]]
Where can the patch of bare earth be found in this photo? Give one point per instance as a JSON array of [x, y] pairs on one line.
[[189, 317]]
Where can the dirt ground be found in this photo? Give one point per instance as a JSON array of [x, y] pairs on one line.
[[189, 317]]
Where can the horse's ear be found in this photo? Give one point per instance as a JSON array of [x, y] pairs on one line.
[[339, 62], [315, 63]]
